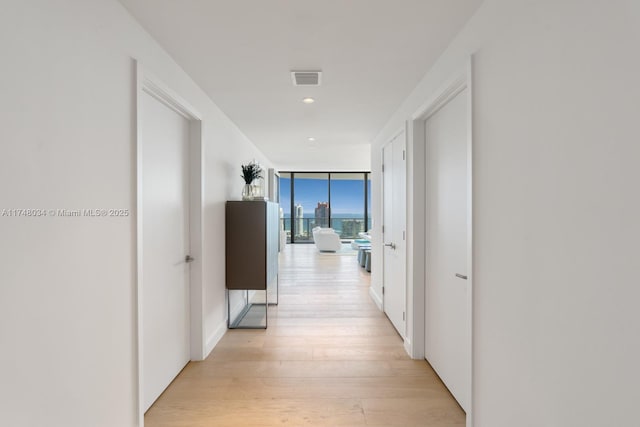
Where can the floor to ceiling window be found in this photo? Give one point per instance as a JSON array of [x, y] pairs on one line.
[[347, 204], [310, 204], [324, 199]]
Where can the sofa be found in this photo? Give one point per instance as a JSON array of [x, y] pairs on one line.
[[326, 239]]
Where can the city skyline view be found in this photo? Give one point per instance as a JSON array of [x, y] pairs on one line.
[[338, 202], [347, 196]]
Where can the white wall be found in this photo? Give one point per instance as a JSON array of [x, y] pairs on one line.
[[556, 208], [67, 140], [320, 157]]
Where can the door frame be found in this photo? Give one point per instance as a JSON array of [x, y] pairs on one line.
[[459, 81], [147, 83], [390, 140]]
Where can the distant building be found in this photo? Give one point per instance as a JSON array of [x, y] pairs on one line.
[[322, 214], [351, 228], [299, 219]]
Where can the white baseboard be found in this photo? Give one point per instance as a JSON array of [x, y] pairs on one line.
[[215, 338], [408, 347], [375, 297]]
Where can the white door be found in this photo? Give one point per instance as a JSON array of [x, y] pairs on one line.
[[165, 243], [394, 221], [447, 341]]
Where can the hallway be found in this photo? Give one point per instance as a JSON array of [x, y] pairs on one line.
[[328, 358]]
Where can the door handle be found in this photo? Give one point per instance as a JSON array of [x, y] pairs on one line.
[[391, 245], [461, 276], [189, 259]]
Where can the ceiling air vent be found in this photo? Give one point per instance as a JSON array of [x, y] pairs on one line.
[[306, 78]]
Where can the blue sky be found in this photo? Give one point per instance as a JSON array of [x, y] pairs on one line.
[[347, 196]]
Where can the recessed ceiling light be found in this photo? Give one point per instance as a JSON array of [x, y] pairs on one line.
[[311, 139], [308, 100]]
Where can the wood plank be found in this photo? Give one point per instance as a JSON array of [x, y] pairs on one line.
[[204, 389], [415, 411], [328, 358], [259, 412]]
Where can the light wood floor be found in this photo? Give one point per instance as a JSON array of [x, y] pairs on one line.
[[328, 358]]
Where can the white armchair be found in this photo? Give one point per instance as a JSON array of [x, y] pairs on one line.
[[326, 239]]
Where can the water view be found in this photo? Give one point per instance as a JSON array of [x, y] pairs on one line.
[[321, 199]]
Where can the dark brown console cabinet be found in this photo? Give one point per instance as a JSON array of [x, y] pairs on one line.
[[252, 238]]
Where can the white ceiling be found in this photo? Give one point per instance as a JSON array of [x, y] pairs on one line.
[[372, 54]]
